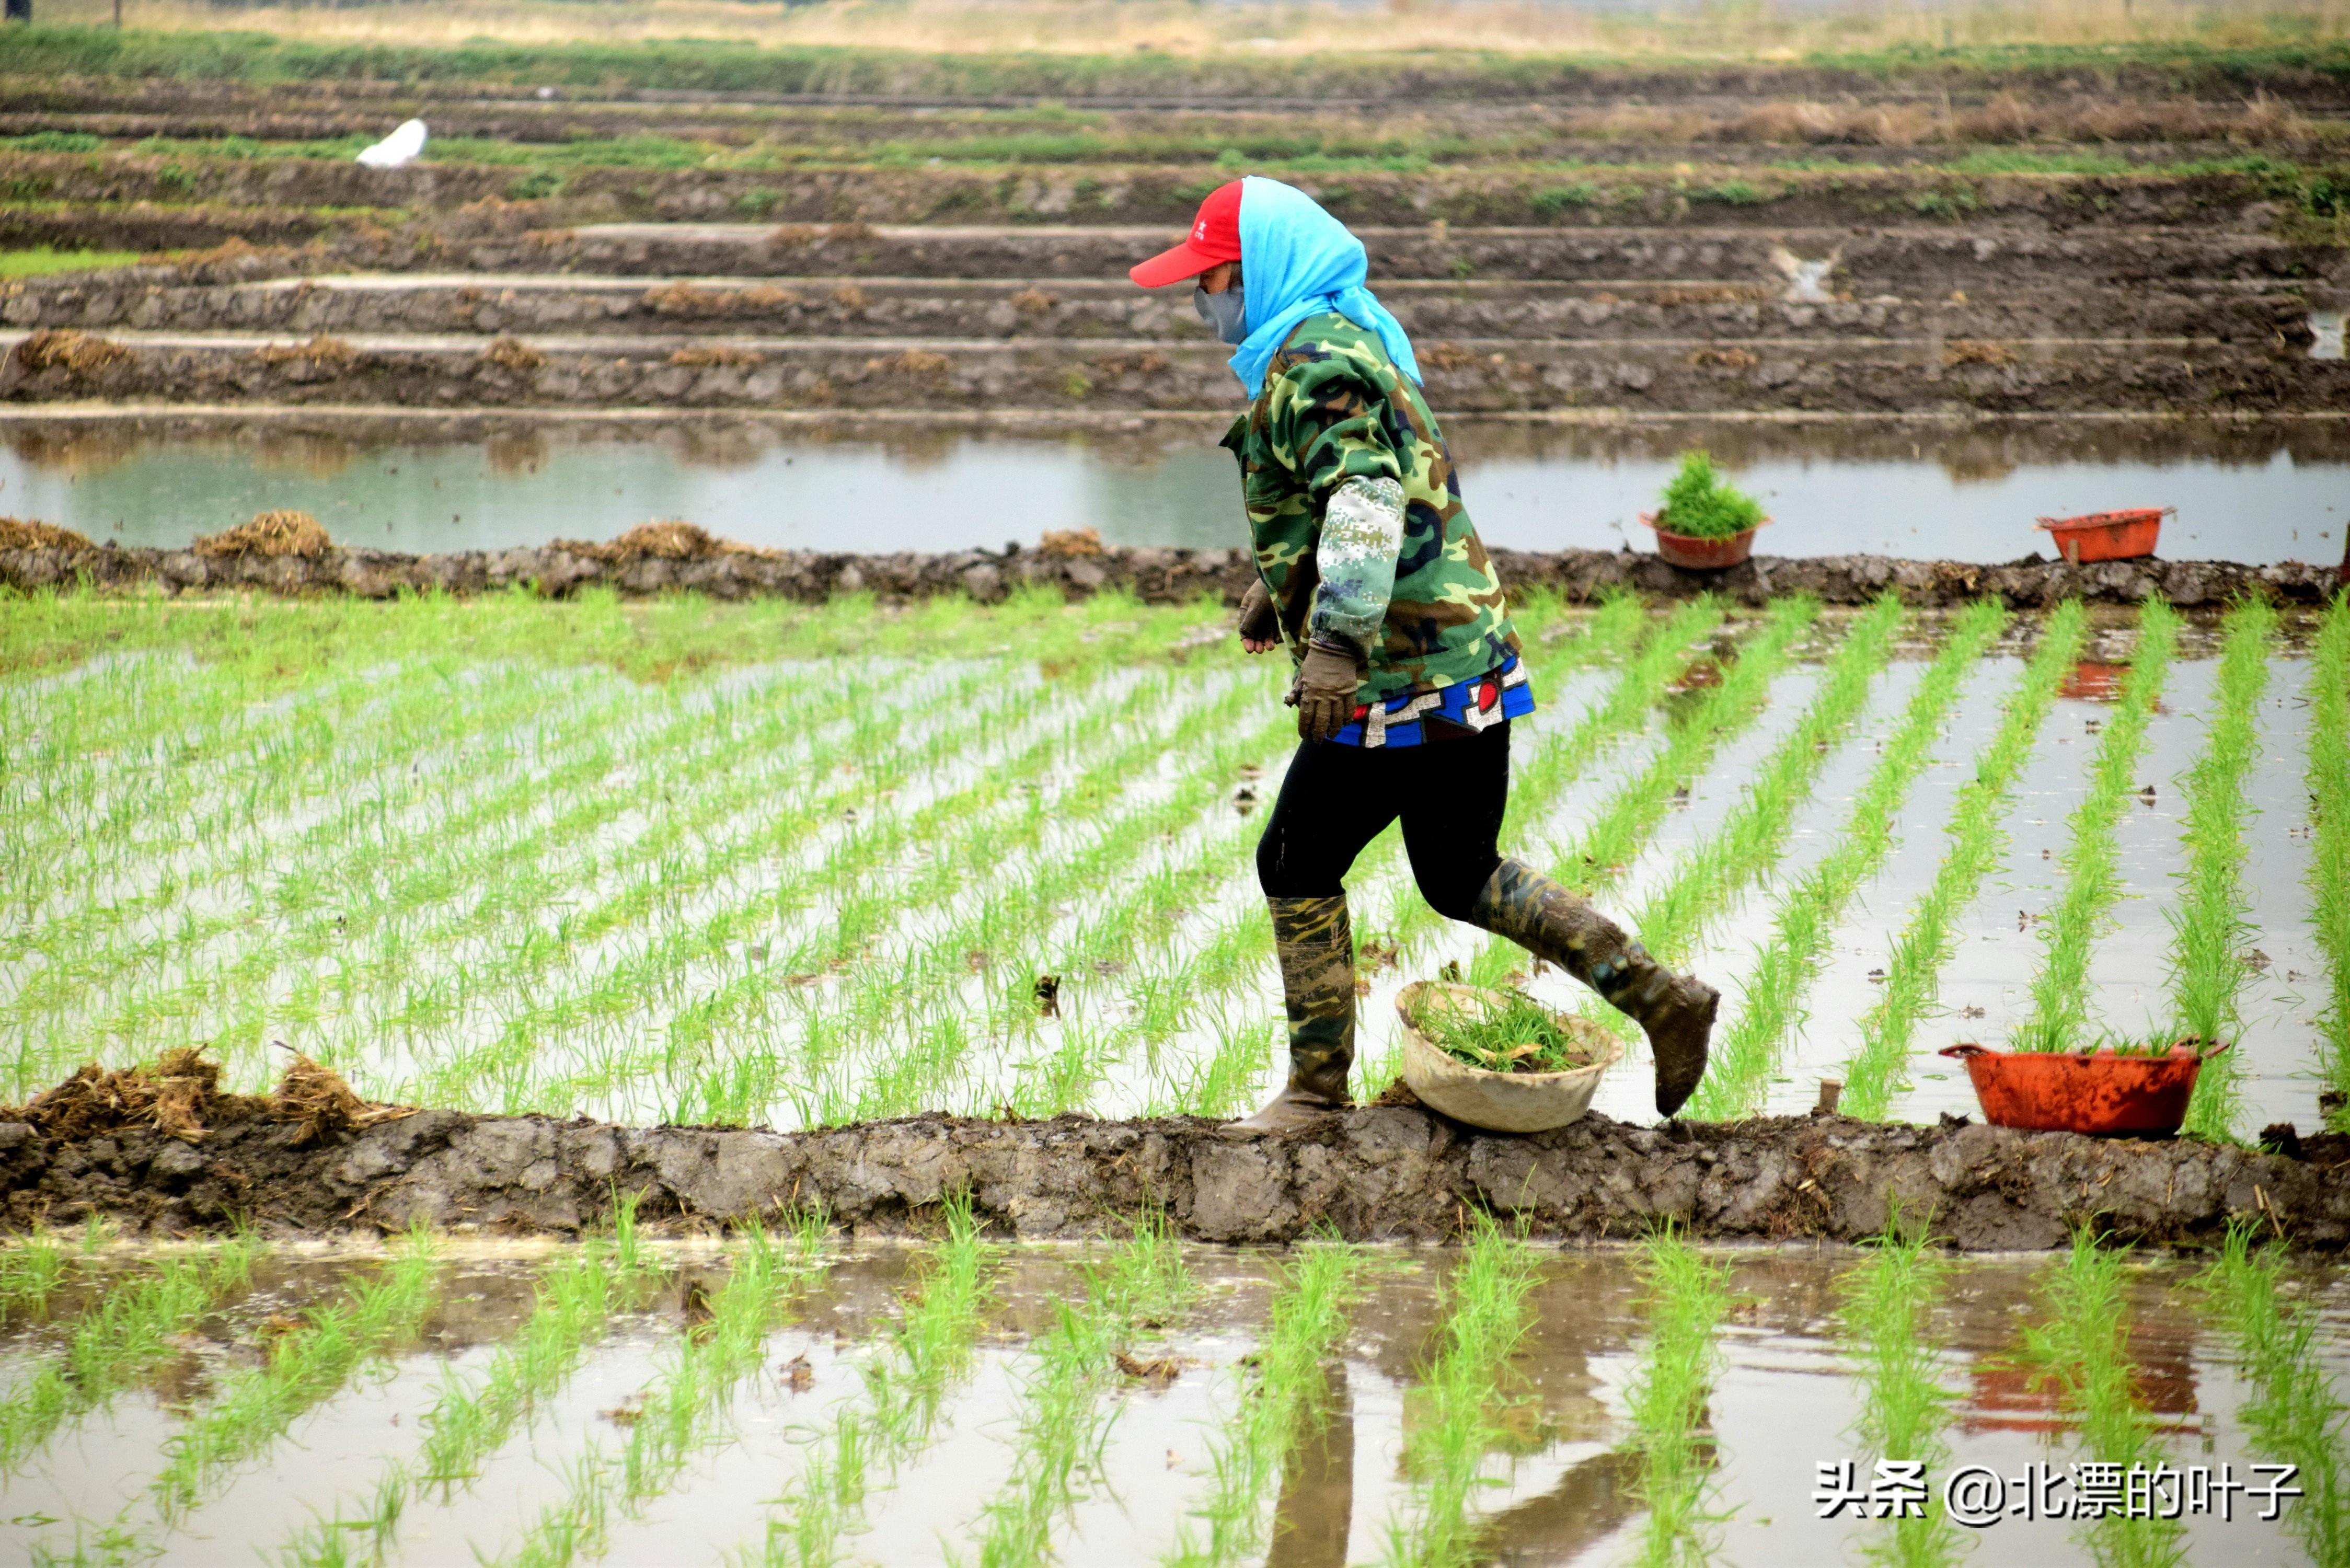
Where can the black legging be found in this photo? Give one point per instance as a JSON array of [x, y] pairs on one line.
[[1450, 795]]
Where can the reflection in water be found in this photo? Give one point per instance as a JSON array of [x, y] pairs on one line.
[[1317, 1487], [1968, 492]]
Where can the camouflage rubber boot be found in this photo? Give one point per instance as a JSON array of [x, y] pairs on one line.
[[1317, 947], [1553, 924]]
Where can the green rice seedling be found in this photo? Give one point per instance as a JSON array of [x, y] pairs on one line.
[[2296, 1414], [1280, 1403], [1687, 1295], [2329, 856], [304, 1366], [2084, 1347], [2210, 927], [1803, 919], [1514, 1034], [130, 1332], [1875, 1069], [1462, 1393], [1905, 1407], [2060, 991], [1700, 504], [684, 1408], [575, 1299], [31, 1269], [1062, 1425], [923, 1357]]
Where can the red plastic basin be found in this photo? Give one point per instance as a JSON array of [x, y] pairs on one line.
[[2123, 536], [2086, 1091], [1701, 554]]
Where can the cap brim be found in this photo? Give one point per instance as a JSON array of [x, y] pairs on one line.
[[1185, 261]]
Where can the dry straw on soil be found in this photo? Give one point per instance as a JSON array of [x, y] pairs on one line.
[[661, 540], [180, 1095], [270, 534], [63, 349], [26, 534]]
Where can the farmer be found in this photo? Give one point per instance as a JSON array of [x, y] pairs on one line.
[[1408, 670]]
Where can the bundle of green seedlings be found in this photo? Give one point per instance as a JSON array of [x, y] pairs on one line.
[[1502, 1032], [1973, 839], [2296, 1414], [2084, 1347], [2329, 856], [1464, 1392], [2060, 991], [1905, 1407], [1701, 504], [2210, 924]]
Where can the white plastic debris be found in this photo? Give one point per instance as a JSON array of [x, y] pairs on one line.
[[402, 146]]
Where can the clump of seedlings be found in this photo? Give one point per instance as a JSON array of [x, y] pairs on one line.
[[1505, 1032], [1464, 1390], [31, 1268], [2060, 991], [923, 1357], [130, 1332], [1974, 838], [575, 1298], [2084, 1346], [2329, 858], [1888, 1303], [1700, 502], [2296, 1416], [1803, 922], [1280, 1403], [1687, 1295]]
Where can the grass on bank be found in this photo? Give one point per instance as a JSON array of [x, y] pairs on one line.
[[39, 261], [2328, 778]]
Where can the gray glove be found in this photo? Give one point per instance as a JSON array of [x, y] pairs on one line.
[[1323, 693], [1259, 622]]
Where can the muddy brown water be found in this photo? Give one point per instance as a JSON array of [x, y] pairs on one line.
[[1834, 487], [1563, 1488]]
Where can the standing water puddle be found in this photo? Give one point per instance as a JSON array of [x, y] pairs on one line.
[[1562, 1486], [1947, 491]]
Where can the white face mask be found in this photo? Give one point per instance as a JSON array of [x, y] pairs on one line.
[[1226, 312]]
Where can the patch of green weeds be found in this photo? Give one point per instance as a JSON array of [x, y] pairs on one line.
[[1803, 922], [130, 1332], [2059, 990], [2083, 1346], [1686, 1295], [2296, 1416], [41, 260], [1973, 841], [1466, 1388], [921, 1357], [2211, 925], [1280, 1403]]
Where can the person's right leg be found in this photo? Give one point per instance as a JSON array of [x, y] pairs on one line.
[[1335, 800]]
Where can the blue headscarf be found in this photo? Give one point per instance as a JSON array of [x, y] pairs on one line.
[[1297, 261]]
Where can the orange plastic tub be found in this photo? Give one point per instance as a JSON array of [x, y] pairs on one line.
[[2125, 536], [2102, 1092], [1702, 554]]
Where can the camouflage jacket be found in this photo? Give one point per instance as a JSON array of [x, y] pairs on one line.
[[1425, 608]]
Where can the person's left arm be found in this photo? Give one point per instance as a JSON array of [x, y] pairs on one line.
[[1329, 421]]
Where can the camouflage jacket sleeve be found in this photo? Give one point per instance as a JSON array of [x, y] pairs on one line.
[[1329, 421]]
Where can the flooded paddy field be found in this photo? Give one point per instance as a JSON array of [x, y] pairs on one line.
[[788, 1399], [2256, 494]]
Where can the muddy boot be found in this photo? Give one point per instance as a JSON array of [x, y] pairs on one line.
[[1554, 925], [1316, 948]]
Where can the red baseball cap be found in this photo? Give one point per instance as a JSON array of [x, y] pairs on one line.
[[1215, 238]]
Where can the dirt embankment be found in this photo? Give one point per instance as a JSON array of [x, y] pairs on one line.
[[1157, 576], [1374, 1174]]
